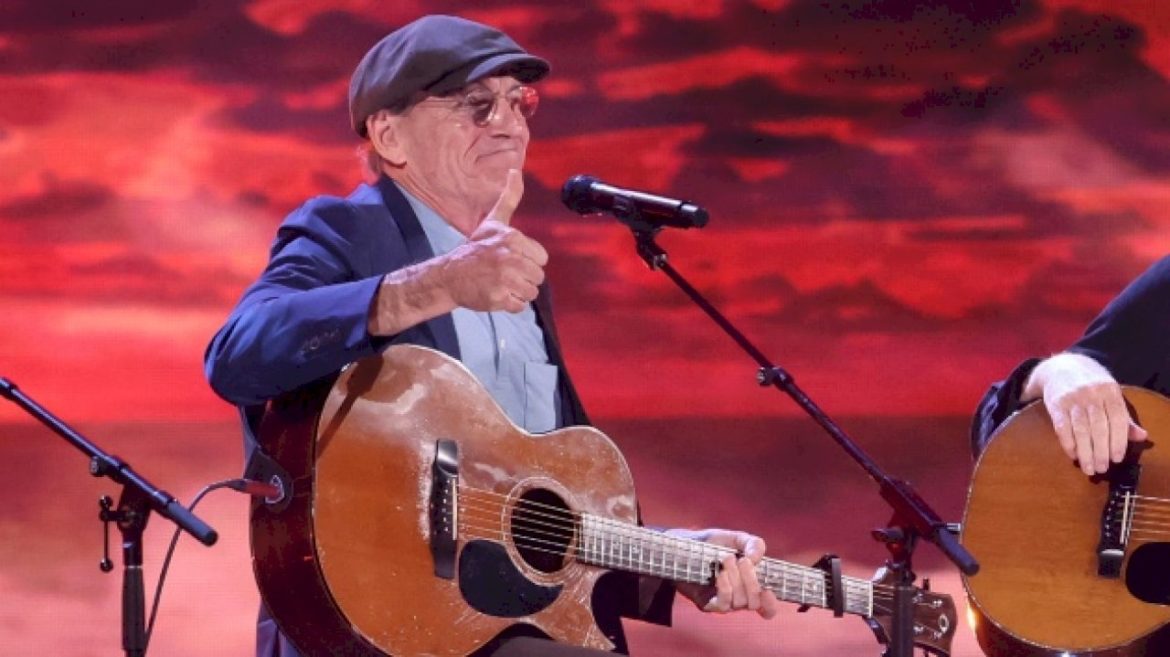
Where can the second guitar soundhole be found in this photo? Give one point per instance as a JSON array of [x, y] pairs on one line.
[[542, 529]]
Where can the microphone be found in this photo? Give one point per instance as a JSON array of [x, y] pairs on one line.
[[587, 195]]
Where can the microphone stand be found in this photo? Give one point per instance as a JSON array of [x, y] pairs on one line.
[[139, 497], [912, 517]]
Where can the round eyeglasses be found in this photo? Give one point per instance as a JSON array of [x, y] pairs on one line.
[[480, 103]]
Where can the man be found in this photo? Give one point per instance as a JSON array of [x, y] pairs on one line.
[[427, 255], [1128, 343]]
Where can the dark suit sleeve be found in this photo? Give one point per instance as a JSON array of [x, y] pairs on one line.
[[1131, 338], [998, 403], [306, 316]]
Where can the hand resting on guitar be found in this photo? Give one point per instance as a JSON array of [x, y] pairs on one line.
[[1087, 409]]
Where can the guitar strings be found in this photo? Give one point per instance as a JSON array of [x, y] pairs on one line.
[[1162, 500], [1143, 515], [792, 591], [788, 587], [1151, 513], [1146, 516], [565, 519], [859, 595], [563, 527], [559, 523]]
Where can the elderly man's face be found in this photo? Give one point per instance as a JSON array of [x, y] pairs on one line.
[[455, 152]]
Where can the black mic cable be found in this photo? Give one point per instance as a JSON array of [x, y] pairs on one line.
[[269, 492]]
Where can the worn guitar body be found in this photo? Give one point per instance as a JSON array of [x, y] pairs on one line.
[[1035, 523], [355, 533]]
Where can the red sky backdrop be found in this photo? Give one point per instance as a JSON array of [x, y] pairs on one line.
[[906, 199]]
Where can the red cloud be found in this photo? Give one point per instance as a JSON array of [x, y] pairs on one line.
[[647, 157], [708, 70]]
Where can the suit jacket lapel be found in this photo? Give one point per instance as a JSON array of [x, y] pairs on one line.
[[569, 407]]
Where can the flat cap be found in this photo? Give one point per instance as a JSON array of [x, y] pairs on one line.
[[434, 54]]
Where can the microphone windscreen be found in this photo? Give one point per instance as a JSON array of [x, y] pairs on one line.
[[577, 194]]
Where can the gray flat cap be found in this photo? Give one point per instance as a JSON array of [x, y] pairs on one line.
[[434, 54]]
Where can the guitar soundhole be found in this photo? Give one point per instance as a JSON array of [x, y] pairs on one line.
[[1148, 573], [542, 529]]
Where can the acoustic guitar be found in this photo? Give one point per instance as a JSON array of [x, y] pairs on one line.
[[421, 521], [1071, 565]]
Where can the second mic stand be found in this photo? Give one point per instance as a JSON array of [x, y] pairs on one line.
[[139, 497], [912, 517]]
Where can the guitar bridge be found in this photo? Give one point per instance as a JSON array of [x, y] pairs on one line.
[[444, 507], [1117, 518]]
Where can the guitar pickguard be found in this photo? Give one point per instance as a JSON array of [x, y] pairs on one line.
[[493, 585]]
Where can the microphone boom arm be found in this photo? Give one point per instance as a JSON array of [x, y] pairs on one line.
[[912, 516]]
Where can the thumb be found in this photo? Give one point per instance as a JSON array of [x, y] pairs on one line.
[[509, 198]]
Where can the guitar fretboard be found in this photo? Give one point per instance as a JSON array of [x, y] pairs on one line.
[[619, 546]]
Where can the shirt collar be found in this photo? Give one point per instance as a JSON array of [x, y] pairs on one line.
[[442, 235]]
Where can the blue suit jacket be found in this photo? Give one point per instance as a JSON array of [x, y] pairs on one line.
[[306, 318]]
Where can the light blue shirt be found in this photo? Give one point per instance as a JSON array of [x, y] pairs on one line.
[[505, 351]]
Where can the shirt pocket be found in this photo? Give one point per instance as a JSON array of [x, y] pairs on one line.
[[540, 389]]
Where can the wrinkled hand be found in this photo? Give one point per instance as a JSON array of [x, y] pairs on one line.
[[498, 268], [736, 585], [1087, 409]]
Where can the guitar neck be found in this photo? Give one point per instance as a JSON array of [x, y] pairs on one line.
[[618, 546]]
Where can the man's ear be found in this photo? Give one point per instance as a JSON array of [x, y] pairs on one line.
[[383, 129]]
